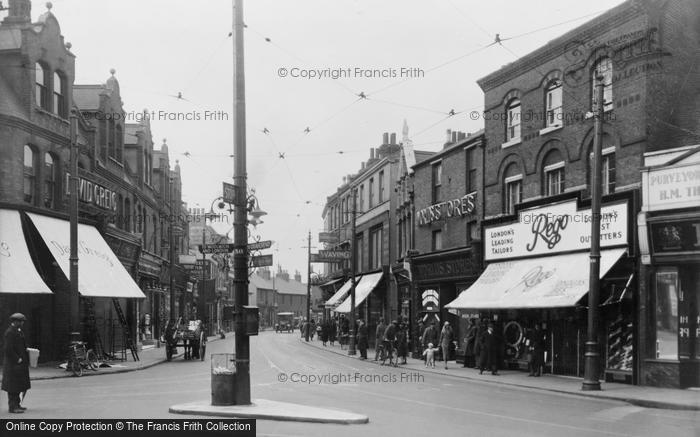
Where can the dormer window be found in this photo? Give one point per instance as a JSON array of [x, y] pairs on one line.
[[42, 91]]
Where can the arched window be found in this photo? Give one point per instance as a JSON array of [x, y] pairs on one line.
[[110, 139], [59, 91], [553, 104], [513, 120], [553, 172], [41, 92], [604, 68], [119, 143], [607, 168], [513, 188], [29, 174], [50, 179]]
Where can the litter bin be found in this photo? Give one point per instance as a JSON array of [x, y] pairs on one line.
[[33, 356], [223, 379]]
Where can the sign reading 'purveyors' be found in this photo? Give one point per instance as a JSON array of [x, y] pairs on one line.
[[672, 187], [555, 228]]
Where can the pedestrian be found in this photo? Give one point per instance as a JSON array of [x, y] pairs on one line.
[[15, 371], [312, 329], [323, 333], [536, 342], [402, 342], [430, 335], [390, 338], [429, 354], [470, 344], [378, 337], [446, 338], [362, 339], [490, 351], [332, 331]]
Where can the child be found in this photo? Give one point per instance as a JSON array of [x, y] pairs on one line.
[[429, 355]]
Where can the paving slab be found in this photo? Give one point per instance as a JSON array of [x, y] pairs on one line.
[[271, 410]]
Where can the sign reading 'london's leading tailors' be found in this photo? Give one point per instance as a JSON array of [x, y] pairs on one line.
[[555, 228]]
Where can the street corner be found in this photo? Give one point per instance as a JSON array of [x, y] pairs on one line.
[[265, 409]]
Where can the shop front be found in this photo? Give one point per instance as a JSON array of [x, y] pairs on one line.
[[370, 297], [538, 273], [669, 234], [437, 279]]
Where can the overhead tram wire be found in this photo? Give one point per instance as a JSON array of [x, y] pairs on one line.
[[207, 62]]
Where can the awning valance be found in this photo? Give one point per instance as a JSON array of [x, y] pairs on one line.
[[17, 271], [545, 282], [100, 273], [362, 290], [341, 293]]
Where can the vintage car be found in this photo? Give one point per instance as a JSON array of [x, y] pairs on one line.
[[285, 322]]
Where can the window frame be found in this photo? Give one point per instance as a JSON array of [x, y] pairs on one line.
[[436, 191], [29, 175], [436, 240], [380, 187], [471, 169], [511, 114], [509, 205], [608, 102], [550, 171], [370, 196], [376, 243], [554, 88], [50, 180], [59, 95], [41, 98]]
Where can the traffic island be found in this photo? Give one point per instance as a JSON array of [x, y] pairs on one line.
[[271, 410]]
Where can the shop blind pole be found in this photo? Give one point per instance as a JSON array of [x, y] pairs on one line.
[[591, 381], [74, 298]]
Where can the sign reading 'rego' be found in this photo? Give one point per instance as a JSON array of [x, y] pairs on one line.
[[461, 207]]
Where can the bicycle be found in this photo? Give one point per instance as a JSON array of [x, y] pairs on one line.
[[384, 355], [80, 358]]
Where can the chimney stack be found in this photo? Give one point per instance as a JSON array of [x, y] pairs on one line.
[[20, 12], [393, 138], [297, 276], [454, 136], [362, 165], [385, 138], [449, 136], [371, 153]]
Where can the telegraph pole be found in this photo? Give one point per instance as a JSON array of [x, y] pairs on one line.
[[173, 313], [308, 292], [240, 218], [73, 211], [351, 347], [591, 376]]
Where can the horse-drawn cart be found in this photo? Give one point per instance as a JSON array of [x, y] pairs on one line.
[[189, 335]]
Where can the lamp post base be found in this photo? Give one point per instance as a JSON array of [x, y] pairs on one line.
[[590, 386]]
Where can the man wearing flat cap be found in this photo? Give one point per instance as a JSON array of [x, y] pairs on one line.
[[15, 371]]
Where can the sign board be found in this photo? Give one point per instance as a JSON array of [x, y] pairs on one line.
[[216, 248], [327, 237], [555, 228], [230, 193], [259, 245], [671, 187], [261, 261], [462, 207], [317, 258], [335, 255]]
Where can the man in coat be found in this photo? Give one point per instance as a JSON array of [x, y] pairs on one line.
[[15, 371], [470, 344], [537, 347], [430, 335], [490, 351], [362, 339]]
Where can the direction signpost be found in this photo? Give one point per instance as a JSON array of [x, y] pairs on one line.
[[259, 245], [261, 261], [330, 256]]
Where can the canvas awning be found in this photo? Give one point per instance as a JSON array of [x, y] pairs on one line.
[[17, 271], [341, 293], [100, 273], [362, 290], [545, 282]]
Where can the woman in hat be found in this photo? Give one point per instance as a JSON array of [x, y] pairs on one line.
[[446, 338], [15, 371]]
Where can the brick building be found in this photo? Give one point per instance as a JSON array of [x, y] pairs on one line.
[[539, 135], [126, 206]]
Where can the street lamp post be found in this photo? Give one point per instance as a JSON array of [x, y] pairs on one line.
[[73, 211], [351, 347], [591, 376], [308, 292]]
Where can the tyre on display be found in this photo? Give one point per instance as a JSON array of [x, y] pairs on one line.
[[91, 358]]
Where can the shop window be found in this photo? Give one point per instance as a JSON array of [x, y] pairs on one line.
[[49, 181], [29, 174], [667, 313], [42, 91], [553, 104], [603, 67]]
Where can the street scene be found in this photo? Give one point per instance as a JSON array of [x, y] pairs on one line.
[[312, 218]]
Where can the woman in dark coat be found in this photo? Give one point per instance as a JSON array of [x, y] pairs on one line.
[[323, 334], [470, 344], [15, 371], [362, 339], [402, 343]]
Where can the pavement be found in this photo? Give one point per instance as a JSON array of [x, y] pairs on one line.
[[644, 396]]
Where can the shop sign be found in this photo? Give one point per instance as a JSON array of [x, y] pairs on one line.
[[671, 187], [461, 207], [445, 269], [94, 193], [555, 228], [677, 236]]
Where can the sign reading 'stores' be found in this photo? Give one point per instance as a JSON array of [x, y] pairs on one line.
[[555, 228], [461, 207]]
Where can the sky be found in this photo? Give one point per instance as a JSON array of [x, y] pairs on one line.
[[413, 60]]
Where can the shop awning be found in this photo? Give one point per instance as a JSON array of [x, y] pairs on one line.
[[341, 293], [546, 282], [331, 282], [100, 273], [362, 290], [17, 271]]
